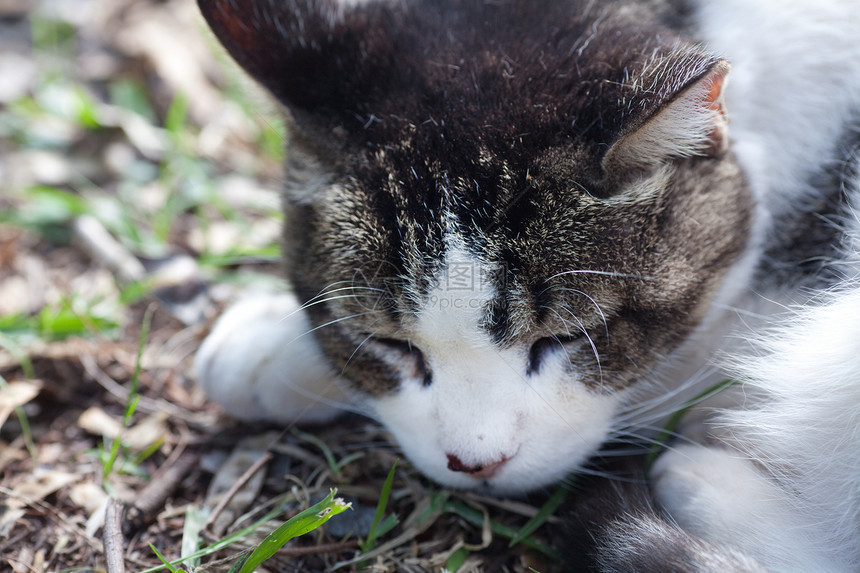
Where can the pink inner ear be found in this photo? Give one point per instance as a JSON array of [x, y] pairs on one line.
[[713, 100]]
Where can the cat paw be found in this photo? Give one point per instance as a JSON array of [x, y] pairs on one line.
[[710, 491], [260, 363], [724, 498]]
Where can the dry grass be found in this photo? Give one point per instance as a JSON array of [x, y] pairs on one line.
[[127, 149]]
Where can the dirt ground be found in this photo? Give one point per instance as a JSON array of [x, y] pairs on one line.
[[138, 178]]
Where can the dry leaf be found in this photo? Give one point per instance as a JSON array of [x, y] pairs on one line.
[[243, 457], [88, 496], [39, 485], [137, 437], [145, 433], [17, 394], [8, 519], [14, 452], [93, 500], [98, 422]]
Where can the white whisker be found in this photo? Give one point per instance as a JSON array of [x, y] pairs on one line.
[[603, 273], [581, 328], [329, 323], [368, 337], [594, 302]]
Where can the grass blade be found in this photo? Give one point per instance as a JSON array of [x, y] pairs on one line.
[[195, 519], [163, 559], [675, 419], [219, 545], [374, 532], [477, 518], [456, 560], [306, 521], [541, 516], [326, 451], [133, 395]]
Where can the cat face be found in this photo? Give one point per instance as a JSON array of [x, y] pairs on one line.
[[497, 229]]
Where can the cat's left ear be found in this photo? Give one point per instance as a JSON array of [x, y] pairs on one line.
[[689, 122], [311, 54]]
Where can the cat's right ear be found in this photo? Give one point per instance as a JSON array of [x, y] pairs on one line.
[[688, 121], [310, 54]]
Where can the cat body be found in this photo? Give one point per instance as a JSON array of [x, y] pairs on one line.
[[518, 230]]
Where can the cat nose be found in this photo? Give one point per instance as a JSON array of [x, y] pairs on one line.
[[481, 470]]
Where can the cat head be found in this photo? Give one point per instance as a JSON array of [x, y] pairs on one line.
[[500, 215]]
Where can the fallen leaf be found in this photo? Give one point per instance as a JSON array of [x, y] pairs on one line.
[[93, 500], [8, 518], [88, 496], [246, 453], [17, 394], [39, 485], [146, 432], [137, 437], [98, 422]]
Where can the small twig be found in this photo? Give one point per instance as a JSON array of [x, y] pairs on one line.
[[102, 247], [112, 536], [243, 479], [175, 456], [151, 498]]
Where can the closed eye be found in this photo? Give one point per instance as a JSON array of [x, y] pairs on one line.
[[543, 348], [408, 351]]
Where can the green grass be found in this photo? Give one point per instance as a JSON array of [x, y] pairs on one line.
[[477, 519], [110, 456], [669, 429], [57, 322], [62, 112], [301, 524], [381, 524]]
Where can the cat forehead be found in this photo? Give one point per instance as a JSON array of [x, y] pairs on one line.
[[475, 299], [459, 70], [455, 311]]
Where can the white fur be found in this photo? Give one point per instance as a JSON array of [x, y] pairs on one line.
[[260, 363], [799, 508], [723, 497], [783, 483], [653, 533], [795, 79], [482, 407]]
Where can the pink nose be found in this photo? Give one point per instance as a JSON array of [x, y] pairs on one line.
[[487, 470]]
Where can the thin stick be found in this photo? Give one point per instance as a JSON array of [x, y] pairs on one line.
[[152, 497], [234, 489], [102, 247], [113, 540]]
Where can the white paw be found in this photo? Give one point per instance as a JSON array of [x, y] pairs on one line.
[[712, 492], [260, 363], [722, 497]]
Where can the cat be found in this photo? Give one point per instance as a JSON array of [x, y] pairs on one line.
[[519, 230]]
